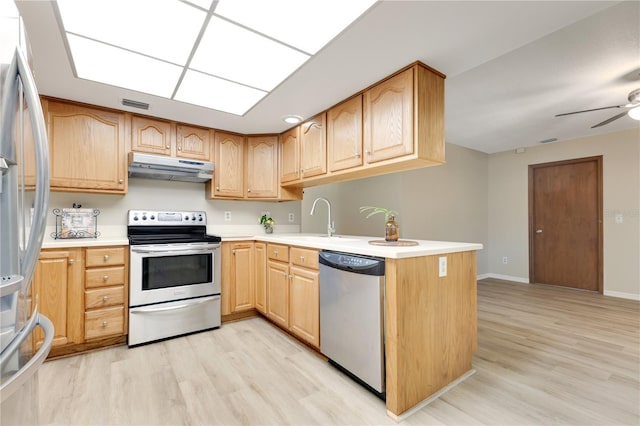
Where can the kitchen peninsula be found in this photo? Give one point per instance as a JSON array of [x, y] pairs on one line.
[[431, 314]]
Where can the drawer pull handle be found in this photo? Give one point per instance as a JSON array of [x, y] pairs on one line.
[[302, 259], [105, 298], [275, 252], [104, 323], [106, 257], [105, 278]]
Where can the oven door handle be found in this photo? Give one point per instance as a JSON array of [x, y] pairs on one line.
[[172, 308], [186, 250]]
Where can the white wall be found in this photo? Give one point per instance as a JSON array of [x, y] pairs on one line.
[[508, 206], [447, 202], [167, 195]]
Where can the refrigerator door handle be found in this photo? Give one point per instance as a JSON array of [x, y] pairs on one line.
[[19, 68], [25, 373]]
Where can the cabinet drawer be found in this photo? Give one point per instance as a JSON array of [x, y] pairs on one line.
[[105, 256], [104, 322], [101, 277], [278, 252], [103, 297], [307, 258]]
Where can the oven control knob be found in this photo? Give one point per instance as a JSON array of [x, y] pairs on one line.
[[186, 218], [135, 218], [144, 218], [193, 218], [200, 219], [152, 217]]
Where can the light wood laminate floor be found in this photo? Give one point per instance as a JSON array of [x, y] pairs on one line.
[[546, 355]]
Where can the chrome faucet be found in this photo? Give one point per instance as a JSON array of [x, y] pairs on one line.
[[330, 224]]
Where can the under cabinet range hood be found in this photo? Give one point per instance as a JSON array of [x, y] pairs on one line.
[[169, 168]]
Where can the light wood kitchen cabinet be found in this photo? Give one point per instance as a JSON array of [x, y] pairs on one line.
[[262, 166], [242, 273], [260, 262], [344, 135], [278, 293], [388, 118], [313, 146], [152, 136], [57, 289], [163, 137], [290, 155], [304, 295], [105, 296], [84, 293], [87, 148], [228, 175]]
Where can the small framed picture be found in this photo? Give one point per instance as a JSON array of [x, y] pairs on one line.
[[78, 223]]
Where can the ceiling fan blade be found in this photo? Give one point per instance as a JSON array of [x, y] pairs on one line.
[[589, 110], [609, 120]]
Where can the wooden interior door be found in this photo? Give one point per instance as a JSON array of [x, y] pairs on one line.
[[565, 223]]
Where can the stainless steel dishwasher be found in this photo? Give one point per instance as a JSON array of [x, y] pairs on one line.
[[352, 316]]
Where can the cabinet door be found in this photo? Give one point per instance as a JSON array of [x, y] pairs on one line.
[[304, 305], [193, 142], [344, 135], [59, 294], [260, 263], [228, 175], [242, 284], [262, 167], [388, 118], [278, 293], [313, 146], [290, 155], [87, 148], [152, 136]]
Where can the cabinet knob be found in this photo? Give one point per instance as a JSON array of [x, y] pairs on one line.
[[104, 323], [275, 252], [120, 180], [167, 146], [105, 277], [284, 274], [302, 259], [233, 251], [357, 155], [72, 261], [179, 148], [106, 257], [105, 298], [248, 190], [367, 152], [217, 188]]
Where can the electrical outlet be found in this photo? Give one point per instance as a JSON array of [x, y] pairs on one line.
[[227, 216], [442, 266], [292, 217], [619, 218], [505, 260]]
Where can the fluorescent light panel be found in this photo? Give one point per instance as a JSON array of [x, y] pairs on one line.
[[144, 45], [306, 25], [237, 54]]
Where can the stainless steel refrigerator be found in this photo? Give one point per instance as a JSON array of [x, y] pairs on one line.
[[22, 136]]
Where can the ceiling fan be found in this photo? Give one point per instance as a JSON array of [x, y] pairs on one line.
[[634, 112]]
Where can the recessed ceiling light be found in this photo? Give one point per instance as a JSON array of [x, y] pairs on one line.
[[292, 119], [634, 113]]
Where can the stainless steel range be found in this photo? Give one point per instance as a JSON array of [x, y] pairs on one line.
[[174, 275]]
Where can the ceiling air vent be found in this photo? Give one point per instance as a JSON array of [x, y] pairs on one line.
[[135, 104]]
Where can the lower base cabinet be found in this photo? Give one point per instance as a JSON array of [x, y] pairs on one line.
[[83, 291]]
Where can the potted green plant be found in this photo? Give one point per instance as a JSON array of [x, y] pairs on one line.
[[392, 230], [268, 223]]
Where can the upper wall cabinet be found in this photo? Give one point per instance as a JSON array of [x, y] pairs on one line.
[[394, 125], [87, 148], [290, 155], [228, 174], [344, 135], [262, 166], [388, 119], [313, 146], [163, 137]]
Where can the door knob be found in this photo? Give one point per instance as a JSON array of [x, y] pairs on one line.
[[538, 231]]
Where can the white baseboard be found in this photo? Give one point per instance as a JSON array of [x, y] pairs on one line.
[[504, 277], [622, 295]]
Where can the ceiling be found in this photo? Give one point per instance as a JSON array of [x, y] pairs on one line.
[[510, 66]]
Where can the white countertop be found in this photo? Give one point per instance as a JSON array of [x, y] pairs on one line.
[[117, 236], [360, 245]]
